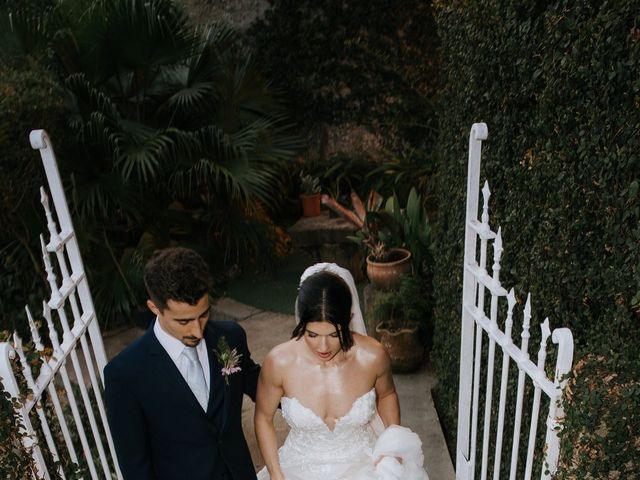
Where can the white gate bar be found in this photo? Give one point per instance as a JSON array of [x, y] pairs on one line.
[[484, 227], [514, 352], [481, 229], [524, 349], [57, 352], [511, 299], [497, 253], [535, 413], [485, 280]]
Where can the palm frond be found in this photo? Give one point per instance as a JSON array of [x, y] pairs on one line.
[[141, 150], [22, 33]]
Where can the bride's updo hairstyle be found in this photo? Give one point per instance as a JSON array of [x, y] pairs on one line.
[[325, 297]]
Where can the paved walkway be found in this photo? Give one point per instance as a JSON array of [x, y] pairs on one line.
[[267, 329]]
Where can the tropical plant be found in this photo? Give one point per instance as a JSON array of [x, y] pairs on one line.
[[415, 229], [383, 228], [174, 135], [309, 184], [368, 220]]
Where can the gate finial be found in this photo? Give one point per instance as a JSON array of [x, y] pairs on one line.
[[479, 131], [53, 335], [511, 302], [38, 139], [35, 335]]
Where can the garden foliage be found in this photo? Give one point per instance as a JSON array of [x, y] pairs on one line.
[[369, 62], [170, 136], [558, 83]]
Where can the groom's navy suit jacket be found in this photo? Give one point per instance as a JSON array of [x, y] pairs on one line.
[[160, 431]]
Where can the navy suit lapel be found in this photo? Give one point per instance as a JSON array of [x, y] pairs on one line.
[[219, 390]]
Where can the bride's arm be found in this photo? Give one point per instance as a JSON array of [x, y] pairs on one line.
[[388, 405], [269, 394]]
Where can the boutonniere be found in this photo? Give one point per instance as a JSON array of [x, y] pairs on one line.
[[229, 358]]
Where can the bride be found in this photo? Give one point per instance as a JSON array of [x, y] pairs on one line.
[[336, 391]]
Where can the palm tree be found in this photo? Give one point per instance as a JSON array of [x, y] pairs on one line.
[[171, 129]]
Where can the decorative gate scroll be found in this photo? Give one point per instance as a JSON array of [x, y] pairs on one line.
[[62, 410], [478, 282]]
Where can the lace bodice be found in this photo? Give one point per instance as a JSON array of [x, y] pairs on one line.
[[313, 451], [311, 442]]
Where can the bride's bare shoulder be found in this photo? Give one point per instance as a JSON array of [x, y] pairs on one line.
[[281, 356], [370, 350]]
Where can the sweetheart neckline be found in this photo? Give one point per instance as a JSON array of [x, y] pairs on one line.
[[337, 419]]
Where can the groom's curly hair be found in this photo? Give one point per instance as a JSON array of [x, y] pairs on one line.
[[325, 297], [178, 274]]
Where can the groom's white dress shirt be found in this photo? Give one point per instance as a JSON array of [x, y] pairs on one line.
[[175, 348]]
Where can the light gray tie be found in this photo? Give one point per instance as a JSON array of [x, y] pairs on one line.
[[195, 376]]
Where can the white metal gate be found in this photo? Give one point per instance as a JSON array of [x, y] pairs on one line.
[[50, 410], [478, 282]]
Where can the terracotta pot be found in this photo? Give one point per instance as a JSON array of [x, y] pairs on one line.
[[386, 275], [403, 346], [310, 204]]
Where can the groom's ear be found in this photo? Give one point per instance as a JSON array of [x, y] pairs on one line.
[[152, 306]]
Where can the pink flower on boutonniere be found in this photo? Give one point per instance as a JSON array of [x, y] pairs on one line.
[[229, 358]]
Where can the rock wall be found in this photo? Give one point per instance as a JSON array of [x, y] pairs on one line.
[[239, 13]]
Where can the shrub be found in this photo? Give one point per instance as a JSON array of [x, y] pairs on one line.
[[372, 62], [602, 424]]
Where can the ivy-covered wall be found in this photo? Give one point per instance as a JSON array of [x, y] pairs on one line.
[[558, 83]]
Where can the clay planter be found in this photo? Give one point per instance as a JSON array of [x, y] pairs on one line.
[[403, 346], [386, 275], [310, 204]]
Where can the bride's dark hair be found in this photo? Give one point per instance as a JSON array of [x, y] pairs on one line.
[[325, 297]]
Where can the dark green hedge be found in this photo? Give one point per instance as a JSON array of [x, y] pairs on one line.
[[558, 83]]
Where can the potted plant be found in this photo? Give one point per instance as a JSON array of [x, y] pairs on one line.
[[310, 195], [402, 320], [382, 233]]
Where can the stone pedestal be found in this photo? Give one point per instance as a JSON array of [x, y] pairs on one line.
[[325, 239]]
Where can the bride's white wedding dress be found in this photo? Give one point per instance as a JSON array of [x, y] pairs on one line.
[[352, 450], [312, 451]]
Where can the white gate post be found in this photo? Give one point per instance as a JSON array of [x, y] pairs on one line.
[[564, 338], [40, 141], [464, 469]]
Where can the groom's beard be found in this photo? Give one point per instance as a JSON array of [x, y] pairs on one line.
[[191, 341]]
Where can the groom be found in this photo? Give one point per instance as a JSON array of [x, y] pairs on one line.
[[174, 396]]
